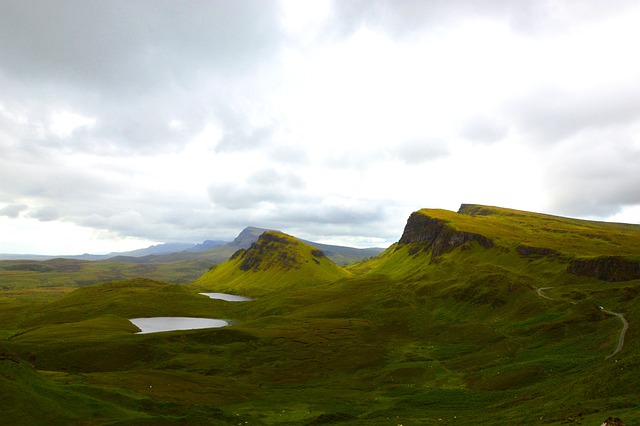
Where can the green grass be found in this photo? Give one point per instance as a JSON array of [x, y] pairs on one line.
[[23, 274], [398, 339]]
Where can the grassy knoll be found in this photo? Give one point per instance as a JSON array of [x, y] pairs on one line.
[[418, 335]]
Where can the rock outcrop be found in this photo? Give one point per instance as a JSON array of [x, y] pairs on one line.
[[425, 233], [528, 251], [613, 421], [606, 268], [270, 250]]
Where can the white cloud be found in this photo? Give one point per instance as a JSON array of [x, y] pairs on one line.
[[323, 118], [12, 210], [31, 236], [64, 123]]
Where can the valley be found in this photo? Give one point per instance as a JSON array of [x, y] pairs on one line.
[[485, 315]]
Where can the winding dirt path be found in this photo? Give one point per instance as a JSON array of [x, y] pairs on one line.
[[625, 324], [539, 291]]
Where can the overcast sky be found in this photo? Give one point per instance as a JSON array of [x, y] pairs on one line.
[[128, 123]]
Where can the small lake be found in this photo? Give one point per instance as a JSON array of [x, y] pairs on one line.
[[158, 324], [227, 297]]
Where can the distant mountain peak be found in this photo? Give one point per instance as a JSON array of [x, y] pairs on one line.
[[248, 236]]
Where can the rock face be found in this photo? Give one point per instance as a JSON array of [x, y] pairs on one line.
[[528, 251], [425, 233], [613, 421], [606, 268], [270, 250]]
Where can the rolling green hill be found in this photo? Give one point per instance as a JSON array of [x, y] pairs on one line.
[[275, 262], [485, 315]]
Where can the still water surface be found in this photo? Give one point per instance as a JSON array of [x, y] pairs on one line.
[[158, 324], [227, 297]]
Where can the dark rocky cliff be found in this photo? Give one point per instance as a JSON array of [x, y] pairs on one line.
[[606, 268], [529, 251], [425, 233]]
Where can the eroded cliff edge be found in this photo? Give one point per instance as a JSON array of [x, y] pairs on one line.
[[425, 233], [606, 268]]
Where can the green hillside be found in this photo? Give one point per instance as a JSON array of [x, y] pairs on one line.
[[275, 262], [487, 315]]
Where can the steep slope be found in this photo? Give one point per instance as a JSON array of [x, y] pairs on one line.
[[276, 261]]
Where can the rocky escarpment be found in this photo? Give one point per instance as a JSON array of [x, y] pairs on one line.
[[528, 251], [424, 233], [606, 268]]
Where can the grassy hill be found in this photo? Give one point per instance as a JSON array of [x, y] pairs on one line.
[[485, 315], [275, 262]]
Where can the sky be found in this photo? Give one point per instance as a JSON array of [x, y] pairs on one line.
[[130, 123]]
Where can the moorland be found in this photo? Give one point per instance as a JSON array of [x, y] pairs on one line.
[[484, 315]]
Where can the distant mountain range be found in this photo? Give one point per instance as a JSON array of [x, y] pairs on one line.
[[215, 250], [158, 249]]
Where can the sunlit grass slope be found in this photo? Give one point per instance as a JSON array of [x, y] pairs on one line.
[[509, 227], [275, 262]]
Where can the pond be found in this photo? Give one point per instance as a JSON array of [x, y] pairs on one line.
[[227, 297], [158, 324]]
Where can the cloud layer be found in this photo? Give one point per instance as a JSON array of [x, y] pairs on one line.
[[134, 122]]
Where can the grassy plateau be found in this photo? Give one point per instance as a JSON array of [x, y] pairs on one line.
[[482, 316]]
